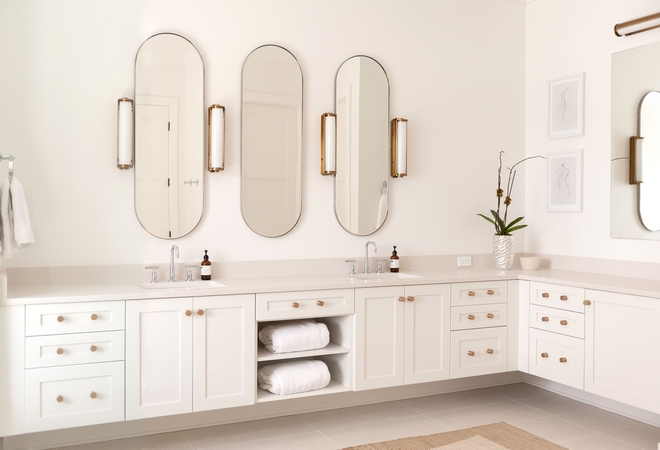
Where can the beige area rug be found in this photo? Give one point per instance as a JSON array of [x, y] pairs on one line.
[[497, 436]]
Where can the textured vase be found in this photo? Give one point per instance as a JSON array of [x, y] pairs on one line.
[[503, 251]]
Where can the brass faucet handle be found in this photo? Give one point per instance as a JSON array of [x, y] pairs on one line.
[[154, 273]]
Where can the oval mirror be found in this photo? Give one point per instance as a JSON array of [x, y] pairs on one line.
[[649, 190], [362, 177], [169, 136]]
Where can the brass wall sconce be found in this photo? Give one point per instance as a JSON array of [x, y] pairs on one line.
[[125, 133], [216, 138], [328, 143], [399, 145], [636, 160]]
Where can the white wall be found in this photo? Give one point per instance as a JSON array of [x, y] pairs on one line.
[[456, 69], [565, 37]]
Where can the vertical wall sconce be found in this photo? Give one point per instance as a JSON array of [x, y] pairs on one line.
[[399, 148], [328, 143], [636, 160], [124, 133], [216, 138]]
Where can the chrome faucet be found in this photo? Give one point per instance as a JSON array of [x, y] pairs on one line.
[[366, 255], [174, 251]]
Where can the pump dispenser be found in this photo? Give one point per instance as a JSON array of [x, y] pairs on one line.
[[205, 269], [394, 261]]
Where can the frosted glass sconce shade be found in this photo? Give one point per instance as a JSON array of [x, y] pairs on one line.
[[216, 139], [328, 143], [399, 148], [124, 133]]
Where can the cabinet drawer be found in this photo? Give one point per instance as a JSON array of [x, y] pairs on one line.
[[73, 396], [67, 349], [556, 357], [478, 293], [478, 316], [556, 296], [478, 352], [305, 304], [73, 318], [557, 320]]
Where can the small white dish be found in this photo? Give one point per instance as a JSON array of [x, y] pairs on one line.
[[530, 262]]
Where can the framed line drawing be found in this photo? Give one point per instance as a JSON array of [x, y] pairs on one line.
[[566, 100], [565, 181]]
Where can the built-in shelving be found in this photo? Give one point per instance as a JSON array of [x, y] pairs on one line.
[[332, 388], [330, 349]]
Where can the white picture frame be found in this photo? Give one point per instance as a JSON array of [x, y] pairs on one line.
[[566, 106], [565, 181]]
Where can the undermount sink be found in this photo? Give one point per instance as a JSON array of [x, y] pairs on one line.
[[382, 276], [181, 285]]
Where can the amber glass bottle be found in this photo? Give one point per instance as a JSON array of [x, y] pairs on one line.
[[205, 268], [394, 261]]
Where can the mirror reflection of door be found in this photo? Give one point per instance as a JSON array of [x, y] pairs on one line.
[[649, 190]]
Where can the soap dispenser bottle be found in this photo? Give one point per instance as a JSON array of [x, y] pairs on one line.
[[394, 261], [205, 269]]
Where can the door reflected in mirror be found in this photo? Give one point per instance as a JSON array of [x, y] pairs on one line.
[[649, 190], [362, 172], [169, 136], [271, 198]]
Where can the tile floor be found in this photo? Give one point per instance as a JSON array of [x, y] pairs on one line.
[[564, 421]]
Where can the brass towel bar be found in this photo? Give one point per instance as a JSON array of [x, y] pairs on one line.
[[631, 23]]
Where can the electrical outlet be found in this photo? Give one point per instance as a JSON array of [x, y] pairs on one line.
[[464, 261]]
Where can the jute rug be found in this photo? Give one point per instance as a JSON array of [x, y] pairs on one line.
[[497, 436]]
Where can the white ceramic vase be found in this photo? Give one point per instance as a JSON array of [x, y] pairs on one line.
[[503, 251]]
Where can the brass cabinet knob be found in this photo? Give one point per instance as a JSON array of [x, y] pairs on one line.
[[545, 319], [471, 293], [471, 353], [490, 315], [562, 360], [402, 299], [490, 351], [200, 312], [490, 292], [92, 394], [295, 304], [563, 297], [563, 322], [94, 317], [410, 298], [188, 312], [92, 348], [60, 351], [470, 317], [586, 302], [544, 355], [320, 303], [60, 399], [60, 319], [545, 295]]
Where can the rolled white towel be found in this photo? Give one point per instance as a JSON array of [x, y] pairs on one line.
[[293, 377], [294, 336]]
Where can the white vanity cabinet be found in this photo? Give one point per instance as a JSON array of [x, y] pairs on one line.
[[189, 354], [622, 348], [401, 335]]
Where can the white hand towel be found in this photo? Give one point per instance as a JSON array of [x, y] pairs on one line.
[[21, 224], [293, 377], [7, 221], [294, 336]]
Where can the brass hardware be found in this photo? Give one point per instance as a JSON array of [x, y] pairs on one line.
[[544, 355], [398, 148], [587, 303], [328, 143], [200, 312], [94, 317], [188, 312], [92, 394], [320, 303], [60, 399], [92, 348], [633, 22], [213, 164], [60, 319], [545, 319], [471, 293], [490, 292], [402, 299], [60, 351], [562, 360], [490, 315], [471, 353], [563, 322], [490, 351], [470, 317], [545, 295], [295, 304], [636, 146], [563, 298], [410, 298]]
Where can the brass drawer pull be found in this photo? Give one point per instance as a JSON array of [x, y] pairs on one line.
[[490, 292], [563, 322], [92, 394], [402, 299], [188, 312], [60, 319], [545, 295], [295, 304], [471, 353], [562, 360], [563, 298], [320, 303], [94, 317], [544, 355], [60, 351], [586, 302], [471, 293], [410, 298], [60, 399], [200, 312], [490, 315], [470, 317], [490, 351], [92, 348], [545, 319]]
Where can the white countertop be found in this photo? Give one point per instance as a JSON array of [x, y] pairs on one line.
[[62, 293]]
